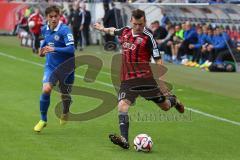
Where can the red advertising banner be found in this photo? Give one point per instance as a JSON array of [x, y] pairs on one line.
[[8, 15]]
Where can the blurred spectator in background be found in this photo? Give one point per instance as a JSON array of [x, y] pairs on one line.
[[106, 7], [63, 18], [22, 22], [86, 25], [27, 11], [204, 52], [197, 48], [225, 61], [71, 11], [112, 18], [177, 40], [35, 22], [76, 20], [167, 42], [218, 45], [164, 20], [159, 33], [190, 37], [216, 1]]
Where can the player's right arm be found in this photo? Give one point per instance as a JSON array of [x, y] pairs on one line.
[[41, 49], [112, 31], [42, 43], [101, 28]]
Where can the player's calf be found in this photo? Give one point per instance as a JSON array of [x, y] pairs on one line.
[[161, 101], [67, 101], [165, 103]]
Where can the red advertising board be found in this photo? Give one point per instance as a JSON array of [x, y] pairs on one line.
[[8, 15]]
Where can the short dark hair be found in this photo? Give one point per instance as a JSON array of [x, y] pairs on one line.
[[138, 13], [156, 22], [52, 9]]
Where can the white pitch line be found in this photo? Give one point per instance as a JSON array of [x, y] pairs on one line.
[[41, 65], [21, 59], [213, 116], [110, 85]]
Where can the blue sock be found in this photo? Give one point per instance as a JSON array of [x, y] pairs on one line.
[[44, 104]]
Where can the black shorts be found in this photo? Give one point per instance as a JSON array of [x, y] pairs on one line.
[[144, 87]]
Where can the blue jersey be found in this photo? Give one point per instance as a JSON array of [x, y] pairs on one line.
[[201, 41], [61, 39], [58, 38], [191, 35]]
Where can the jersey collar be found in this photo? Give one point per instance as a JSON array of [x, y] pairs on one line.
[[136, 35], [56, 28]]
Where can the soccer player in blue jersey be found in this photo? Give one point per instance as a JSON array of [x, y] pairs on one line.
[[58, 47]]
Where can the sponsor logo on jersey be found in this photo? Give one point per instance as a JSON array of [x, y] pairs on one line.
[[130, 46]]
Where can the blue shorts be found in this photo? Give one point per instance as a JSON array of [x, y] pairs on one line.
[[63, 78]]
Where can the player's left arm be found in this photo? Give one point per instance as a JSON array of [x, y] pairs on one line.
[[152, 45], [69, 42], [43, 43], [158, 59], [69, 49], [41, 52]]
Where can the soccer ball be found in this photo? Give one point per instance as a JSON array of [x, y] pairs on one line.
[[143, 142], [31, 24]]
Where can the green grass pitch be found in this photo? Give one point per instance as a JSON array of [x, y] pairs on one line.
[[209, 130]]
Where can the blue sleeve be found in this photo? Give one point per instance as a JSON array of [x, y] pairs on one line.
[[42, 41], [198, 45], [221, 44], [66, 50], [205, 39], [190, 34], [208, 39], [69, 42], [67, 36], [225, 36]]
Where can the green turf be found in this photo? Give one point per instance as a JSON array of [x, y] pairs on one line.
[[188, 137]]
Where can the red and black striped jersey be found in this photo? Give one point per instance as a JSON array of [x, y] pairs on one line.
[[137, 51]]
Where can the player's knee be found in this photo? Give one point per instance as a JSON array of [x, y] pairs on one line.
[[47, 89], [123, 106]]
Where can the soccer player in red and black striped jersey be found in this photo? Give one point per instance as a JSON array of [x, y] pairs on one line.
[[138, 46]]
